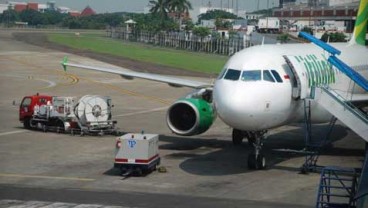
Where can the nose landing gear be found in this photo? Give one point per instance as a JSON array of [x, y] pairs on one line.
[[256, 160], [239, 135]]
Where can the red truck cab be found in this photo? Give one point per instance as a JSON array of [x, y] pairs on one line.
[[27, 107]]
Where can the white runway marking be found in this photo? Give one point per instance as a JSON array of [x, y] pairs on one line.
[[51, 83], [142, 112], [12, 132]]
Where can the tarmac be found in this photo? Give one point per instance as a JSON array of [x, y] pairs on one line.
[[202, 171]]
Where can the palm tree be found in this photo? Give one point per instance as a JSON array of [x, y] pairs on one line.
[[161, 8], [179, 7]]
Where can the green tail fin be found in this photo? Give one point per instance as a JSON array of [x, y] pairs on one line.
[[360, 29]]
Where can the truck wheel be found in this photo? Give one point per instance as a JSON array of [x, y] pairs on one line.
[[139, 171], [60, 126], [27, 123]]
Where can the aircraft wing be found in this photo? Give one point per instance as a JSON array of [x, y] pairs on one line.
[[172, 81]]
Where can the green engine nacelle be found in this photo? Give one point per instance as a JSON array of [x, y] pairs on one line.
[[190, 116]]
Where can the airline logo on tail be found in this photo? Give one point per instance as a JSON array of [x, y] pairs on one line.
[[360, 29]]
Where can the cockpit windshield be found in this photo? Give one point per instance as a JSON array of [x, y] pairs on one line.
[[232, 74], [267, 76], [252, 75]]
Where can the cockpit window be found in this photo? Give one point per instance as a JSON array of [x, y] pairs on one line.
[[267, 76], [253, 75], [232, 74], [276, 75], [221, 74]]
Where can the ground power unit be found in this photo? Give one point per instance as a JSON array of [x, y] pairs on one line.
[[137, 154]]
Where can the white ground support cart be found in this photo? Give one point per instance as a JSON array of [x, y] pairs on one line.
[[137, 154]]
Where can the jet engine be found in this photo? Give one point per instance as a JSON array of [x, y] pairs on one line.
[[190, 116]]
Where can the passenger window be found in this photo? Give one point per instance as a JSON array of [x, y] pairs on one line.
[[277, 76], [26, 102], [267, 76], [253, 75], [232, 74]]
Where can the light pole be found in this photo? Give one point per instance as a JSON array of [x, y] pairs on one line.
[[268, 1]]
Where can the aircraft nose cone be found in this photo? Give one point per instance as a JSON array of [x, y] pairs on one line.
[[229, 104]]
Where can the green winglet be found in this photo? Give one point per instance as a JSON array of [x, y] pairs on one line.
[[64, 62]]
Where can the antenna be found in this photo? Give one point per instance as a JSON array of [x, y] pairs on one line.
[[237, 8]]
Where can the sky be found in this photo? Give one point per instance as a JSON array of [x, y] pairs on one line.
[[103, 6]]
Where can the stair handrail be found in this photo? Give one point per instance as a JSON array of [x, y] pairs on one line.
[[347, 104]]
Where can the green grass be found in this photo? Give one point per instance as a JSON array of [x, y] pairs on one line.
[[199, 62]]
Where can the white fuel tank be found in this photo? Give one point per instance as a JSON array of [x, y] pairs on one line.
[[93, 109]]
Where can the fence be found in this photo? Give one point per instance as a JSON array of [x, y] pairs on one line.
[[183, 41]]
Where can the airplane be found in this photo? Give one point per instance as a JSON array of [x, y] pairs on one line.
[[263, 87]]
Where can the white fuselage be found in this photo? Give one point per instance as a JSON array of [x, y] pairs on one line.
[[249, 103]]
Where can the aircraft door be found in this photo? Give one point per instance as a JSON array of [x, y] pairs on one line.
[[300, 86]]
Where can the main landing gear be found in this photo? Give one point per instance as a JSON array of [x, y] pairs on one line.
[[256, 159]]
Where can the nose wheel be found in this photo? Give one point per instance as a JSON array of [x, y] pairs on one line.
[[256, 160]]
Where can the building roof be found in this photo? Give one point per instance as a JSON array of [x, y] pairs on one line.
[[130, 22], [88, 11]]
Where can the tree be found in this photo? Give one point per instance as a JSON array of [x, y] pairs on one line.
[[189, 25], [201, 31], [283, 38], [71, 23], [217, 14], [160, 8], [307, 30], [333, 37], [179, 7], [223, 24], [33, 17], [233, 34], [53, 17], [151, 23], [112, 19], [9, 17]]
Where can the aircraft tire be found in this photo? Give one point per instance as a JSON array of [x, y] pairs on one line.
[[256, 163], [237, 137]]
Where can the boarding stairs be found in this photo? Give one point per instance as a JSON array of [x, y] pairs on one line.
[[343, 110], [337, 187]]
